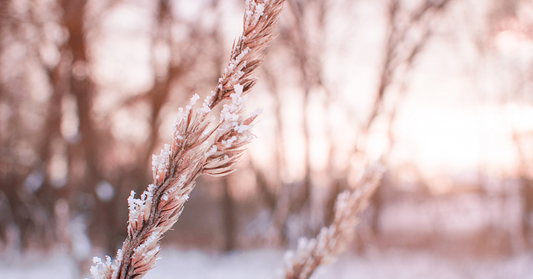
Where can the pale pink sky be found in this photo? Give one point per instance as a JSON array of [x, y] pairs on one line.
[[450, 122]]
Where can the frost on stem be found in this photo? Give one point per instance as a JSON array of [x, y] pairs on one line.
[[333, 240], [139, 209], [247, 53], [233, 133], [101, 270], [253, 12], [196, 148], [161, 164]]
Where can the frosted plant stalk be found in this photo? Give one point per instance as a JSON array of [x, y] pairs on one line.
[[195, 149], [333, 240]]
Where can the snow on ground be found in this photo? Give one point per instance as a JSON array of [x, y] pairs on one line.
[[259, 264], [56, 266]]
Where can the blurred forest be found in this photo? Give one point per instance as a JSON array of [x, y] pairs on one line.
[[442, 90]]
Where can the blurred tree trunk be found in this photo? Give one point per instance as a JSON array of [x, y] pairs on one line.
[[228, 213], [38, 220], [526, 188], [401, 52], [157, 97], [82, 87], [273, 194], [10, 177], [47, 194], [302, 201], [523, 241], [88, 150]]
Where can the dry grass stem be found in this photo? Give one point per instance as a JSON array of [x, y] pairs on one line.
[[333, 240], [196, 149]]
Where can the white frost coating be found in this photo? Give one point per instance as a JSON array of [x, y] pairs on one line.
[[234, 69], [120, 254], [205, 106], [179, 185], [144, 252], [253, 12], [242, 54], [95, 271], [147, 194], [256, 112], [236, 76], [150, 240], [211, 151], [229, 142], [139, 207], [134, 206], [243, 128], [184, 115], [183, 179], [99, 269], [236, 98], [161, 163], [231, 120], [229, 116], [259, 9], [238, 91], [179, 118], [193, 101]]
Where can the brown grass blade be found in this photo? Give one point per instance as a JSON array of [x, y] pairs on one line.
[[190, 154]]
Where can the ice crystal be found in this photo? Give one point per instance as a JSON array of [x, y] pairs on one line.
[[101, 269], [161, 163]]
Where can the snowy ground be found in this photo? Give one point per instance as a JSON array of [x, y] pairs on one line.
[[264, 263]]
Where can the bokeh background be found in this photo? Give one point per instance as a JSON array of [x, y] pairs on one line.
[[442, 90]]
